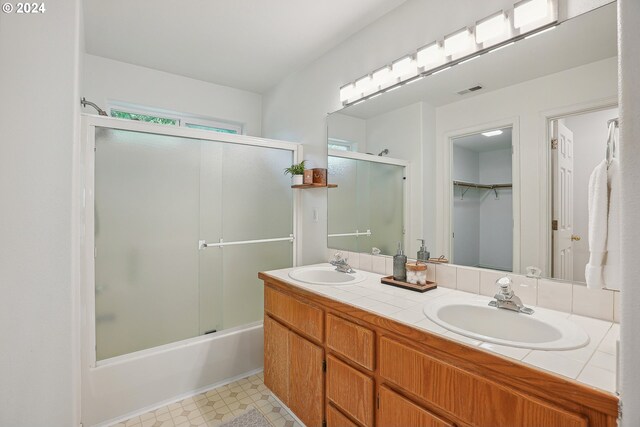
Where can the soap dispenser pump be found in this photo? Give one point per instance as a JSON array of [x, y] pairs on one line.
[[423, 253], [400, 265]]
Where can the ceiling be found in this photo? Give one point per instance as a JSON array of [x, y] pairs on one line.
[[581, 40], [246, 44], [480, 143]]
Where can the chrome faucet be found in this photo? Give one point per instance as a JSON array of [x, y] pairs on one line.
[[340, 263], [505, 298]]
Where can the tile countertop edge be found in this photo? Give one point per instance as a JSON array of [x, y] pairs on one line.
[[381, 300]]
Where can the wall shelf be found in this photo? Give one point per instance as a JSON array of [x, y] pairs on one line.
[[302, 186]]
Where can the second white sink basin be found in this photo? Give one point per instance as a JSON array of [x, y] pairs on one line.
[[475, 319], [328, 276]]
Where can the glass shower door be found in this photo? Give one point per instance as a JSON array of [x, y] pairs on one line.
[[147, 212], [157, 197]]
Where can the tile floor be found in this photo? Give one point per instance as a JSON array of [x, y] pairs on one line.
[[217, 406]]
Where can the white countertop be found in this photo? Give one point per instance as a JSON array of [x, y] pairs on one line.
[[594, 364]]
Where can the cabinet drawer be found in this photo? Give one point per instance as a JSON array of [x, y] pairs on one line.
[[472, 399], [352, 341], [350, 390], [297, 314], [335, 418], [396, 411]]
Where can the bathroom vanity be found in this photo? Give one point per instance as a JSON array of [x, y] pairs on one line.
[[332, 362]]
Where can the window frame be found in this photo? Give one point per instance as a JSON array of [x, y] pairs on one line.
[[182, 120]]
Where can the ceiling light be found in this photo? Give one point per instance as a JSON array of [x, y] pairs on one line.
[[457, 42], [491, 27], [527, 12], [382, 77], [405, 67], [492, 133], [347, 92], [364, 85], [430, 56]]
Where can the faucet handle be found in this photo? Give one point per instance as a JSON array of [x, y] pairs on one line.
[[505, 285], [338, 257]]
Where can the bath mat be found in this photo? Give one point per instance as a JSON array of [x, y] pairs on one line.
[[251, 418]]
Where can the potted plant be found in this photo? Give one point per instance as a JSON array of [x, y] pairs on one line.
[[296, 171]]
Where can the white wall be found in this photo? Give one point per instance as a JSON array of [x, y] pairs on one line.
[[629, 48], [589, 136], [39, 360], [526, 104], [347, 128], [496, 215], [107, 80], [466, 209]]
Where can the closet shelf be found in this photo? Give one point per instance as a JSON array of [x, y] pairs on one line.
[[302, 186], [483, 186]]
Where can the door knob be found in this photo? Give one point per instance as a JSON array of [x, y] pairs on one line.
[[575, 238]]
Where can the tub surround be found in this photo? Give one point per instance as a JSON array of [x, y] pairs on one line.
[[362, 351]]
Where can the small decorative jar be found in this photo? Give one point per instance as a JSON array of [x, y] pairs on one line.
[[308, 176], [417, 273], [320, 176]]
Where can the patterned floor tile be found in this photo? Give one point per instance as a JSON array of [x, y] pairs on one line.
[[217, 406]]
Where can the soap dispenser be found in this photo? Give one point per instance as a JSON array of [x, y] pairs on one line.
[[423, 253], [400, 265]]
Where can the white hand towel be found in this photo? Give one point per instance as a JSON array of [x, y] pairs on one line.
[[611, 269], [598, 213]]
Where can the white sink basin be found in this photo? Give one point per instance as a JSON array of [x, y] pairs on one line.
[[327, 276], [475, 319]]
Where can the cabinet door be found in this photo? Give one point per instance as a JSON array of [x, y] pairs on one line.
[[350, 390], [276, 358], [335, 418], [396, 411], [306, 395]]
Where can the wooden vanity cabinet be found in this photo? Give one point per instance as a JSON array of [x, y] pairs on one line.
[[335, 364], [293, 363]]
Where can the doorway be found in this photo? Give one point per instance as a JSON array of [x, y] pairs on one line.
[[482, 180], [578, 146]]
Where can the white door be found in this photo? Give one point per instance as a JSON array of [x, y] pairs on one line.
[[562, 224]]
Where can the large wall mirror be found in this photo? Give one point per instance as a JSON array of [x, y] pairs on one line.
[[488, 161]]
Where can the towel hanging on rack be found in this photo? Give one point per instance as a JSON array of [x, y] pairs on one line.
[[603, 269]]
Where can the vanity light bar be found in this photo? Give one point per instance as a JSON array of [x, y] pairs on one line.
[[501, 29]]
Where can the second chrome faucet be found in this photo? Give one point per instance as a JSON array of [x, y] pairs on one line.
[[507, 299]]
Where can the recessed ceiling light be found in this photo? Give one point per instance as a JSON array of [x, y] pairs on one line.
[[492, 133]]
